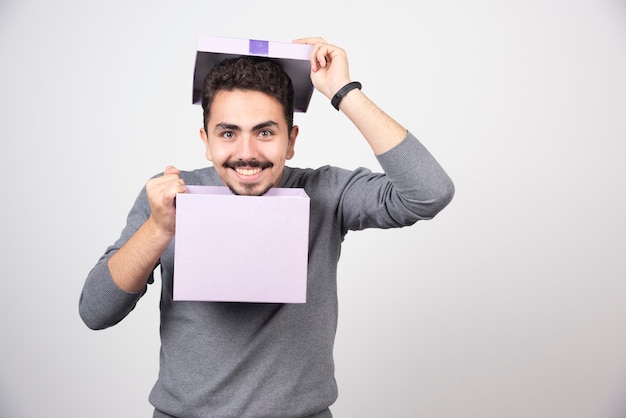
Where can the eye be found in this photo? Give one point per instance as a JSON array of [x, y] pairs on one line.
[[265, 134], [228, 135]]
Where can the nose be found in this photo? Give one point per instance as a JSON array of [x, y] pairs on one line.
[[247, 148]]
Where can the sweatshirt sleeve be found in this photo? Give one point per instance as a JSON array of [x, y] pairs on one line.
[[419, 181], [413, 187], [102, 303]]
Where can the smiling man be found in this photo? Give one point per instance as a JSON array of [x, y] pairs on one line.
[[262, 359]]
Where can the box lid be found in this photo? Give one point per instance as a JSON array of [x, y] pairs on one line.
[[294, 58]]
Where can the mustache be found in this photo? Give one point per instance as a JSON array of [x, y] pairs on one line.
[[248, 163]]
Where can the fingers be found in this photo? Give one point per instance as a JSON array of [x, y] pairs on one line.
[[170, 177], [310, 41], [170, 169], [329, 65], [162, 193], [172, 183], [319, 54], [323, 54], [163, 189], [318, 57]]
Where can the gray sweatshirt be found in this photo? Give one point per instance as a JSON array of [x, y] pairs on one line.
[[270, 360]]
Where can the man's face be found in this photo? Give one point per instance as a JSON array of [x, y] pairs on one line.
[[247, 140]]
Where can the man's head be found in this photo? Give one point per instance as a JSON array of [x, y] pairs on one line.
[[249, 73], [248, 123]]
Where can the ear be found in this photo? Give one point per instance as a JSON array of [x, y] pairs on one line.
[[292, 142], [205, 140]]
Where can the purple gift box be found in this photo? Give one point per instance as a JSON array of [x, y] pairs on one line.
[[294, 58], [233, 248]]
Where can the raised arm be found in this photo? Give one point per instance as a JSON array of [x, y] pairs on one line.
[[414, 186], [329, 74]]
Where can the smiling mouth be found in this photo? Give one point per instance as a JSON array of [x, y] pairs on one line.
[[248, 168], [243, 171]]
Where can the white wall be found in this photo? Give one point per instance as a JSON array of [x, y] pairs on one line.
[[511, 303]]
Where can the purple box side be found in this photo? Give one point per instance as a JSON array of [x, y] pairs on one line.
[[211, 264]]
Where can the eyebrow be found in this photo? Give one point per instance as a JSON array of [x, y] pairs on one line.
[[233, 127]]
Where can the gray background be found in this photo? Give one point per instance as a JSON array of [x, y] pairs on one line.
[[511, 303]]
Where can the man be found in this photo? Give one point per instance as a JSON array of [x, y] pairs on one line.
[[258, 359]]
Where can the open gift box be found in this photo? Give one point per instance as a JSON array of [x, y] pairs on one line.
[[234, 248]]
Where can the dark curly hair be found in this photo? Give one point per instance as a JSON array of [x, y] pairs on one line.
[[249, 73]]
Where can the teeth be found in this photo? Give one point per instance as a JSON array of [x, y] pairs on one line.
[[248, 171]]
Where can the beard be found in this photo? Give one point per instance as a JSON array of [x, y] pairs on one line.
[[248, 189]]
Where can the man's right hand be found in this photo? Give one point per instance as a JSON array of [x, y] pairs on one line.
[[162, 193]]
